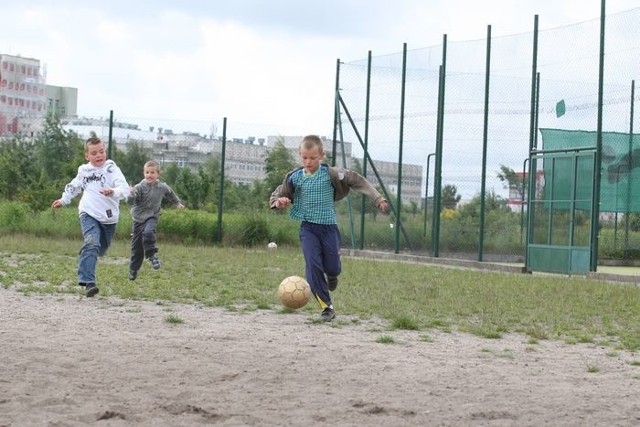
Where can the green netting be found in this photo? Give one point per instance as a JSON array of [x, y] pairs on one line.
[[620, 181]]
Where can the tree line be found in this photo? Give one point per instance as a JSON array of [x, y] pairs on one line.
[[35, 170]]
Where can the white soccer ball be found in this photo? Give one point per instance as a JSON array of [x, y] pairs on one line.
[[272, 246], [294, 292]]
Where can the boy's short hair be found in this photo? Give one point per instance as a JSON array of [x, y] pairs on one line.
[[310, 142], [152, 164], [94, 140]]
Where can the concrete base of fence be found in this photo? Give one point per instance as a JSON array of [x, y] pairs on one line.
[[450, 262], [630, 274]]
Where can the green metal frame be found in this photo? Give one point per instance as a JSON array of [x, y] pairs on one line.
[[553, 243]]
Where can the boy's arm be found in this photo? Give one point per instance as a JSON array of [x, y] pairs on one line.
[[173, 197], [121, 189], [134, 194], [71, 190], [273, 199], [362, 185], [283, 190]]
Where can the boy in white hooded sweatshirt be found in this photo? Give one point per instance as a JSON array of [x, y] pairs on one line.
[[102, 185]]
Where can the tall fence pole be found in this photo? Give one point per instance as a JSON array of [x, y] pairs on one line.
[[533, 164], [365, 147], [595, 211], [221, 192], [336, 113], [483, 183], [437, 189], [400, 145], [109, 152], [628, 210]]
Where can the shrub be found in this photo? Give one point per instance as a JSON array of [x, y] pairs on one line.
[[255, 231], [14, 216]]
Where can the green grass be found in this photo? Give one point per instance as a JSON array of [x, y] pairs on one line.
[[385, 339], [173, 319], [407, 296]]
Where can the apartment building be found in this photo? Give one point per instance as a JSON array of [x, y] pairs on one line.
[[62, 101], [23, 95], [244, 157]]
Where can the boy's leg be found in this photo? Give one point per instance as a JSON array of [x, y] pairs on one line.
[[310, 241], [331, 262], [137, 251], [106, 236], [149, 237], [88, 256], [149, 242]]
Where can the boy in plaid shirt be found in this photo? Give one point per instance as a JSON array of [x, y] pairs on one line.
[[311, 191]]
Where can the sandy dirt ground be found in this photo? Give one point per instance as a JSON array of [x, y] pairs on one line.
[[72, 361]]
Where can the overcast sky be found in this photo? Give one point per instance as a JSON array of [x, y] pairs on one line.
[[254, 61]]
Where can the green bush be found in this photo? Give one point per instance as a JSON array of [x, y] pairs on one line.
[[255, 231], [188, 226], [504, 234], [14, 216]]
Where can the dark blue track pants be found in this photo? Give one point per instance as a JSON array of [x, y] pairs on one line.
[[321, 249]]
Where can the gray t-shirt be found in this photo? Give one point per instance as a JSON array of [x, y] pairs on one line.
[[147, 199]]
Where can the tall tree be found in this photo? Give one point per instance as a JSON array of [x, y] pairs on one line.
[[58, 152], [193, 188], [279, 161], [450, 196], [514, 182], [18, 167], [131, 162]]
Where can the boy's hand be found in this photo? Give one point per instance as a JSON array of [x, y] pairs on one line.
[[106, 191], [282, 202], [180, 206], [57, 204], [383, 206]]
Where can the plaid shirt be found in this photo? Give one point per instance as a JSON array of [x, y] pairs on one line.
[[313, 197]]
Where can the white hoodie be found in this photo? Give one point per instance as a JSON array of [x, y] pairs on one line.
[[89, 181]]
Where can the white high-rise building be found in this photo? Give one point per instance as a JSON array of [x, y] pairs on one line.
[[23, 95]]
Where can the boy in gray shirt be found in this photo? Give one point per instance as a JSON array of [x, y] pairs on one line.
[[145, 199]]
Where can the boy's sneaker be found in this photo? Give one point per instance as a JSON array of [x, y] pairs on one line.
[[82, 284], [92, 289], [133, 275], [333, 282], [328, 314], [155, 262]]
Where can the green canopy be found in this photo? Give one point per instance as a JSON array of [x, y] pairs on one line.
[[620, 182]]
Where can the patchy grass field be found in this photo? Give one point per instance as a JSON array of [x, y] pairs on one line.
[[409, 296]]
